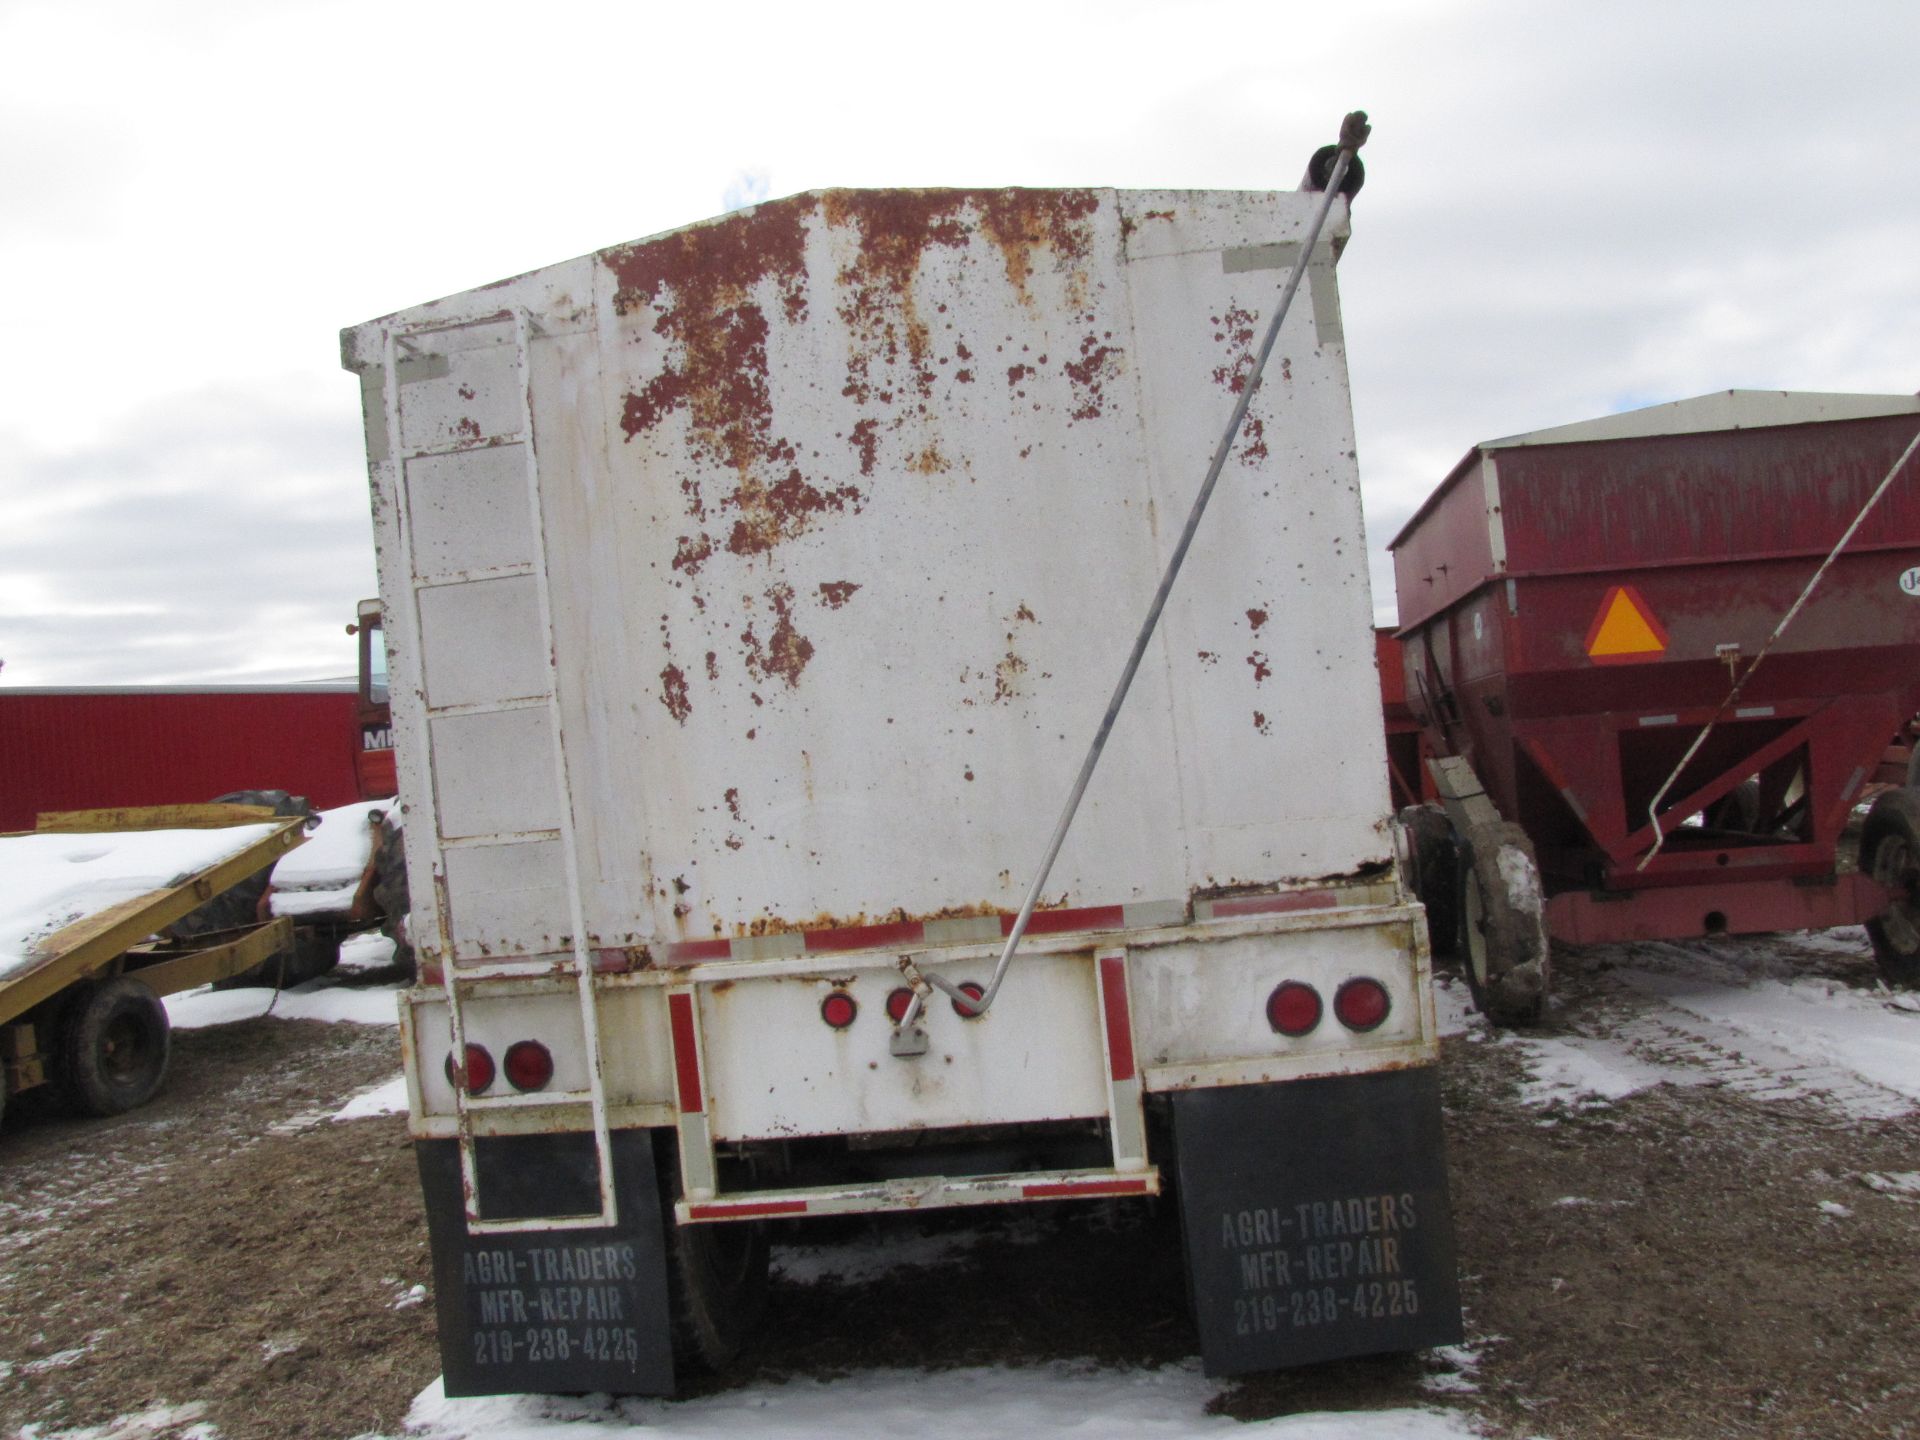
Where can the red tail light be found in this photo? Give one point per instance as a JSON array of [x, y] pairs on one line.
[[838, 1009], [897, 1003], [479, 1070], [1293, 1008], [1362, 1004], [973, 992], [529, 1065]]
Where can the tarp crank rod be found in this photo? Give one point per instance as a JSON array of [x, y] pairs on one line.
[[1653, 806], [1353, 134]]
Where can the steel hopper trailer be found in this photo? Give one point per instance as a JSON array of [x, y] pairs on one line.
[[1657, 659], [752, 591]]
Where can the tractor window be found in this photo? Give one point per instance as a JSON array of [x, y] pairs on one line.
[[373, 664]]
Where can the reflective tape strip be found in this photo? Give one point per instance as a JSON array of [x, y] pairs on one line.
[[686, 1052]]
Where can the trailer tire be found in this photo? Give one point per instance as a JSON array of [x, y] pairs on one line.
[[1433, 865], [1503, 932], [716, 1279], [1890, 853], [113, 1044]]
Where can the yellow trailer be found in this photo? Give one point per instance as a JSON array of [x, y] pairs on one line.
[[85, 945]]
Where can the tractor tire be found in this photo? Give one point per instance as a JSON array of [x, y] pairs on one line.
[[1503, 932], [239, 907], [716, 1278], [1890, 853], [391, 894], [112, 1047], [1433, 866]]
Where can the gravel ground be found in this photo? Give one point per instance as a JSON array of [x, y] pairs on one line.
[[1716, 1257]]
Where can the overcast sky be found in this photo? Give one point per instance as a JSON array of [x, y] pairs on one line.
[[1570, 209]]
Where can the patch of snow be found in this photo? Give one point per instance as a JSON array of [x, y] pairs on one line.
[[338, 844], [49, 881], [315, 1000], [272, 1350], [369, 950], [1895, 1185], [973, 1404], [410, 1297], [59, 1360], [387, 1098], [1835, 1209], [1587, 1072], [1866, 1055], [177, 1422], [1521, 879], [302, 903], [1453, 1005]]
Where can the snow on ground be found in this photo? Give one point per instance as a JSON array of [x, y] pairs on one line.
[[315, 1000], [973, 1404], [1581, 1071], [388, 1098], [368, 951], [322, 875], [49, 881], [886, 1251]]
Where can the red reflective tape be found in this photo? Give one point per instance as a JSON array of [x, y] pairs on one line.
[[747, 1210], [691, 952], [1275, 904], [1060, 1189], [686, 1056], [1113, 1001], [1053, 922], [865, 937]]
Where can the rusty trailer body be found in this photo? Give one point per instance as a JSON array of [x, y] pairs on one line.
[[1576, 605], [751, 591]]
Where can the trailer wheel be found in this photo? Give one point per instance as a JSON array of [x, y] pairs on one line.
[[1433, 865], [112, 1049], [1503, 928], [1890, 853], [716, 1278]]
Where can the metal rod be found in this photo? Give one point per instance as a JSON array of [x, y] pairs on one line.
[[1353, 134], [1653, 807]]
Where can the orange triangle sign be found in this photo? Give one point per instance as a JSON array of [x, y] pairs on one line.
[[1625, 629]]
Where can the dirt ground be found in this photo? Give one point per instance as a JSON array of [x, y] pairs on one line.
[[1661, 1265]]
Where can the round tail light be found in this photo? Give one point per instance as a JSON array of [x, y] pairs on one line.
[[1362, 1004], [898, 1002], [838, 1009], [529, 1065], [973, 991], [478, 1074], [1293, 1008]]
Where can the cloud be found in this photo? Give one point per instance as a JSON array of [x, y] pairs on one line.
[[747, 187]]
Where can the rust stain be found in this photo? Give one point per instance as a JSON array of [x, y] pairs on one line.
[[1005, 674], [466, 392], [1236, 333], [692, 552], [713, 666], [928, 462], [1207, 657], [865, 439], [786, 651], [837, 592], [673, 693], [468, 428], [733, 842], [1017, 374], [1097, 364], [733, 802], [969, 774], [770, 514], [1023, 613], [1260, 723], [1256, 618], [1261, 670]]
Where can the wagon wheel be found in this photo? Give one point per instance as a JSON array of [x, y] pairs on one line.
[[1503, 930], [716, 1278], [1433, 865], [112, 1050], [1890, 853]]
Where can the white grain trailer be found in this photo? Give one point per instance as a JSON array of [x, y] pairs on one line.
[[752, 591]]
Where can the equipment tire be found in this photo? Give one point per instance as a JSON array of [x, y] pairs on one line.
[[239, 906], [1503, 932], [391, 894], [1890, 853], [113, 1046], [716, 1279], [1433, 862]]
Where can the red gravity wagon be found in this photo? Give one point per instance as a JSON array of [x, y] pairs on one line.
[[1583, 611]]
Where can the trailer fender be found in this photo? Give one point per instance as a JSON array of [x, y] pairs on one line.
[[1316, 1219], [549, 1311]]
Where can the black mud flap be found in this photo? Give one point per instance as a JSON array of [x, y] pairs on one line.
[[553, 1312], [1317, 1220]]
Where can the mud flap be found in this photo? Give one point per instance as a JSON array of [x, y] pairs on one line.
[[552, 1312], [1316, 1218]]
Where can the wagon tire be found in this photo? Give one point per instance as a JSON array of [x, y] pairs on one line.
[[1890, 853], [716, 1280], [1502, 916], [1433, 865], [112, 1050]]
